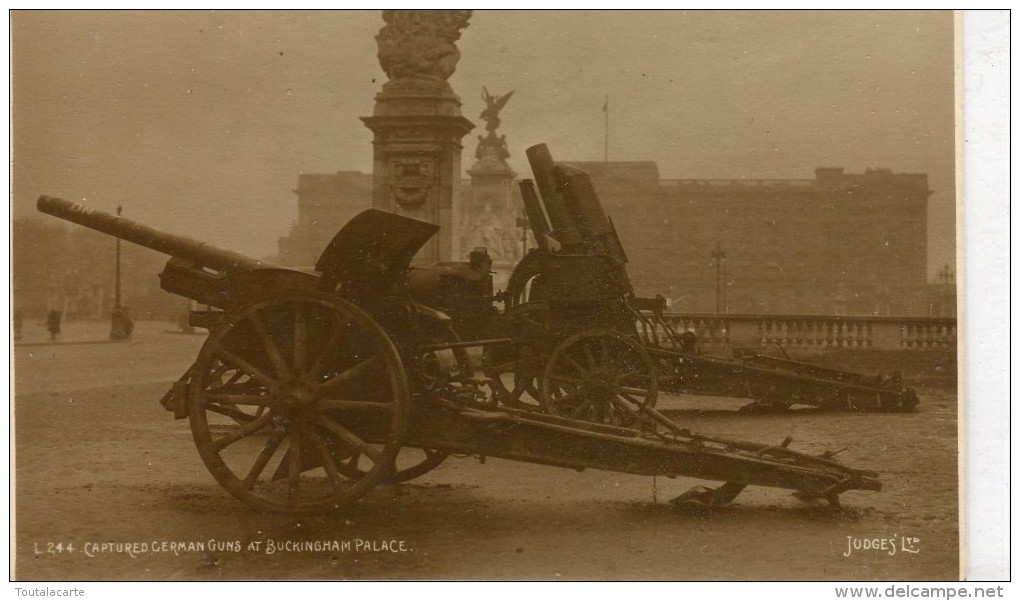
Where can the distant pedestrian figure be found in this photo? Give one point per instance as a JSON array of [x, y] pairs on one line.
[[121, 325], [53, 323], [689, 343]]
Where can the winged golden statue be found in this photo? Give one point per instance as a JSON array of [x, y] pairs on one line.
[[493, 105]]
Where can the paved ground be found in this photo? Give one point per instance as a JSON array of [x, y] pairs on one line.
[[98, 461], [83, 357]]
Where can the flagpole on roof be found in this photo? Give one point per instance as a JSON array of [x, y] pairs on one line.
[[605, 109]]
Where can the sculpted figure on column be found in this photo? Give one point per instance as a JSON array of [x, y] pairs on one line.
[[419, 44]]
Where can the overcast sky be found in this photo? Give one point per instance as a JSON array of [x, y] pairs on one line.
[[200, 122]]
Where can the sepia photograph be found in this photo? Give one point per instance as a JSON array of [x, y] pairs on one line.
[[485, 295]]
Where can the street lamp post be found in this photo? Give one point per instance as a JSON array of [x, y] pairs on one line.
[[946, 275], [116, 277], [523, 223], [718, 255], [120, 323]]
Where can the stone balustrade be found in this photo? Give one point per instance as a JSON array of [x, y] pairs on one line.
[[818, 332]]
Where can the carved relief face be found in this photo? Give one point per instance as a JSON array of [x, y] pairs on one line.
[[410, 182]]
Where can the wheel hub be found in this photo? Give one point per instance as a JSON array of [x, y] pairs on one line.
[[597, 388], [298, 394]]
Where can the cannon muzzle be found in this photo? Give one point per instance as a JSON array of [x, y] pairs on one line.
[[198, 253]]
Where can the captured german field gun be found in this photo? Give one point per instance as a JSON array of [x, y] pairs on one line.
[[576, 350], [313, 388], [576, 282], [223, 278]]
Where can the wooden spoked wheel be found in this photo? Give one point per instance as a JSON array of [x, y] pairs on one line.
[[288, 392], [600, 376], [515, 370], [411, 463], [514, 373]]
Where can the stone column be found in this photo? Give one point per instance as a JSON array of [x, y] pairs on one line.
[[490, 218], [418, 125]]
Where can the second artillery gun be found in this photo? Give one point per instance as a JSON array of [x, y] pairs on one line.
[[309, 385], [572, 297]]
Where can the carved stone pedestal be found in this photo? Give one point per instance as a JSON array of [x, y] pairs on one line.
[[417, 166], [418, 125]]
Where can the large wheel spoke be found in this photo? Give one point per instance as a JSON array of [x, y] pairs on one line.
[[267, 452], [589, 357], [328, 463], [570, 396], [522, 383], [216, 372], [238, 416], [244, 399], [353, 373], [639, 372], [245, 366], [579, 409], [630, 398], [300, 337], [294, 466], [249, 428], [565, 379], [327, 350], [620, 416], [520, 387], [569, 386], [351, 465], [603, 349], [350, 438], [279, 363], [237, 375], [632, 390], [620, 406], [577, 366]]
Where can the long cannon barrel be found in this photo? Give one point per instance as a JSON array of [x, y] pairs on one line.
[[181, 247]]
